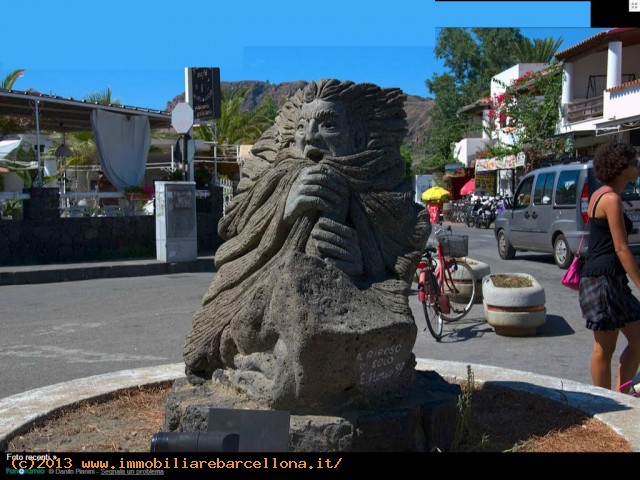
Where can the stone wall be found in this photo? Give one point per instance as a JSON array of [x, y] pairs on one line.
[[42, 237]]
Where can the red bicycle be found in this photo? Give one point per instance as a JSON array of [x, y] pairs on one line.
[[446, 283]]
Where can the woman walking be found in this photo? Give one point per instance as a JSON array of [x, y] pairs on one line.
[[608, 306]]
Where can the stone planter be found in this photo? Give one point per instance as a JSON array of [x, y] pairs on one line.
[[514, 311], [463, 283], [481, 270]]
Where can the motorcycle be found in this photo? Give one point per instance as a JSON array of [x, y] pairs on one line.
[[486, 213]]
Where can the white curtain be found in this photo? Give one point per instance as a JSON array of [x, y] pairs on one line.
[[123, 146]]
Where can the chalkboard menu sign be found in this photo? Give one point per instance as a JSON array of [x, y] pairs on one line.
[[204, 92]]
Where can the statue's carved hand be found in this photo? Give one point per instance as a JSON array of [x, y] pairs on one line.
[[337, 244], [321, 189]]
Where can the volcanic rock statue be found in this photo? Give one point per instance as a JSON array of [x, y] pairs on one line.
[[309, 308]]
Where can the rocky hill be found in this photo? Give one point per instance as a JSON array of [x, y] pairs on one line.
[[418, 108]]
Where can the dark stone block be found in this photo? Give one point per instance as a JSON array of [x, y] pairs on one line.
[[423, 420], [43, 204]]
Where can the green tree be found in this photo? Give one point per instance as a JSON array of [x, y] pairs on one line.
[[446, 127], [408, 161], [530, 106], [472, 56]]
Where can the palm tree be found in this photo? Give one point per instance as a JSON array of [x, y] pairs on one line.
[[10, 124], [102, 98], [540, 50], [236, 125], [10, 79]]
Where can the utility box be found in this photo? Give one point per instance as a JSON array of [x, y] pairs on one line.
[[176, 224]]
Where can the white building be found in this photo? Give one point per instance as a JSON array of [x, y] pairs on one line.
[[601, 89]]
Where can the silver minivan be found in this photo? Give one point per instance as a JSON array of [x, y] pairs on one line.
[[549, 212]]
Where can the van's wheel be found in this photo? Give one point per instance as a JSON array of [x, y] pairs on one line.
[[505, 250], [562, 253]]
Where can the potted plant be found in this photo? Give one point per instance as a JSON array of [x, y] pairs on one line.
[[514, 303], [138, 193]]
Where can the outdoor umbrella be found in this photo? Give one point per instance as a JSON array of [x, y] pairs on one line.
[[469, 187], [435, 194]]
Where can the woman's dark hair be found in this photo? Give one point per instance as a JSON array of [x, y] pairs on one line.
[[611, 159]]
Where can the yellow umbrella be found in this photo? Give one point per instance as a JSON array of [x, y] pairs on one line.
[[435, 194]]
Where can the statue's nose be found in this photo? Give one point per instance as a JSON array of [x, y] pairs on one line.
[[312, 131]]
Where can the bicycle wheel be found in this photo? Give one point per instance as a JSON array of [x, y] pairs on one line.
[[460, 286], [430, 304]]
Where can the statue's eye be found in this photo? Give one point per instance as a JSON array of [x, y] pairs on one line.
[[301, 126], [328, 124]]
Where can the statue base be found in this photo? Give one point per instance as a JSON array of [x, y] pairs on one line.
[[424, 420]]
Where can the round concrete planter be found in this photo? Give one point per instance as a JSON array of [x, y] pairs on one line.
[[481, 270], [516, 311]]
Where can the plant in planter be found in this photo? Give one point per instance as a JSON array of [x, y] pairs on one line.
[[514, 303], [136, 193]]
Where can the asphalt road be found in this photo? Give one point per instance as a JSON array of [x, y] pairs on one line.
[[62, 331]]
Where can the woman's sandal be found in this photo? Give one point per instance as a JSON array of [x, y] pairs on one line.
[[634, 390]]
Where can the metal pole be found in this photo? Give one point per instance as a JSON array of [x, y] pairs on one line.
[[39, 180], [215, 152], [184, 157]]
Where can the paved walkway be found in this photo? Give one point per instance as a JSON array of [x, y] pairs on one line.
[[68, 272]]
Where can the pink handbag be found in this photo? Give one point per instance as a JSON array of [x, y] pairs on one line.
[[571, 277]]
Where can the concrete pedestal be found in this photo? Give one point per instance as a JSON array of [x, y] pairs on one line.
[[176, 225], [423, 420]]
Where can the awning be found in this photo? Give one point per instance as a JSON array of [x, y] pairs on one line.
[[75, 115], [453, 167], [615, 126], [500, 163], [8, 146]]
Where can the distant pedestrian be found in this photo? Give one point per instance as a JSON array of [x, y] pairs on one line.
[[607, 304]]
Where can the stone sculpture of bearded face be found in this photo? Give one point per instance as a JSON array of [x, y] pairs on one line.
[[323, 129], [308, 310]]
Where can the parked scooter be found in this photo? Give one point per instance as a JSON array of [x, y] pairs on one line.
[[504, 203], [485, 214]]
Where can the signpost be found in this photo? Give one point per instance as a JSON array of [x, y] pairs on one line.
[[182, 121], [203, 92], [191, 149]]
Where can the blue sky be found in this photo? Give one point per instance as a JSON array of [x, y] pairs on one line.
[[139, 48]]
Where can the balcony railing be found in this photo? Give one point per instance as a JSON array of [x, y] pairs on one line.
[[585, 109]]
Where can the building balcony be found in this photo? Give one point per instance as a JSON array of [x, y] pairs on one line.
[[585, 109]]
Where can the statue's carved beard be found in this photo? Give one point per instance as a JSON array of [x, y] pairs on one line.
[[256, 246], [374, 169]]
